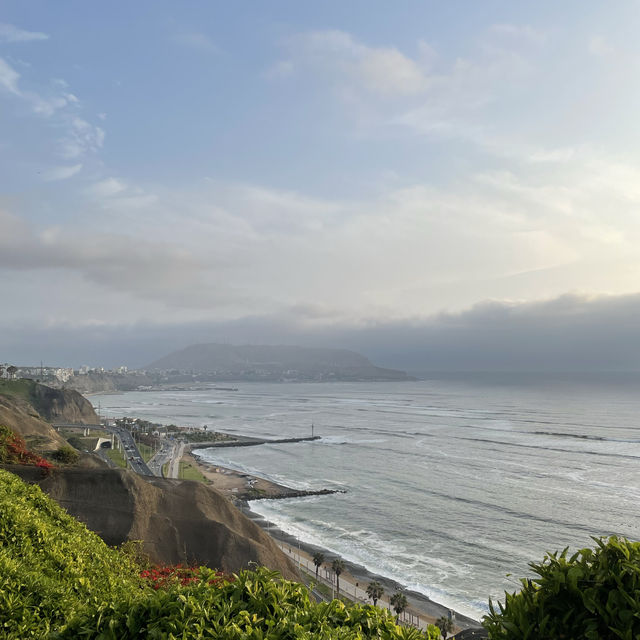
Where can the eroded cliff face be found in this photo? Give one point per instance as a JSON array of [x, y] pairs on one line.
[[62, 405], [179, 521], [21, 417]]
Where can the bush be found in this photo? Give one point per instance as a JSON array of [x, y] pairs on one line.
[[594, 594], [77, 443], [66, 455], [51, 566], [253, 605], [13, 450]]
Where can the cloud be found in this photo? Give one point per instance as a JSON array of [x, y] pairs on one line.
[[81, 138], [128, 265], [571, 332], [383, 71], [106, 188], [11, 33], [195, 40], [62, 172], [519, 33], [42, 105], [600, 47], [9, 77]]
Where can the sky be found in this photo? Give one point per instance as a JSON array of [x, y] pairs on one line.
[[435, 184]]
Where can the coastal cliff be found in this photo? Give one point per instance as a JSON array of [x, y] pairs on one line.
[[21, 417], [177, 521], [51, 405]]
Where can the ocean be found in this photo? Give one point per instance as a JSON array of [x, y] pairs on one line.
[[453, 483]]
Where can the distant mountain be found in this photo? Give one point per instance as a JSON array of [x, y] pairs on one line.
[[259, 362]]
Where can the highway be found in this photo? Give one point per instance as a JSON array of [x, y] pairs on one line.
[[170, 451], [164, 455], [130, 451]]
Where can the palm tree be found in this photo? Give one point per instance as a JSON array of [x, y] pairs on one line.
[[338, 567], [445, 625], [375, 591], [399, 603], [318, 559]]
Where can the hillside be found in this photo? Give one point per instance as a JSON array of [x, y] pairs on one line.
[[179, 521], [52, 405], [21, 417], [259, 362], [59, 580]]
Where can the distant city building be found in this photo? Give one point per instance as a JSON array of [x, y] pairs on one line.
[[63, 374]]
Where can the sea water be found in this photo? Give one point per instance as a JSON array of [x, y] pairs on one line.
[[453, 484]]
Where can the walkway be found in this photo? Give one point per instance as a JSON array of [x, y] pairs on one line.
[[349, 588]]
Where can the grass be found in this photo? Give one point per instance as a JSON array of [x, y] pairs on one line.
[[116, 456], [189, 472], [93, 433], [165, 470], [145, 451], [16, 388]]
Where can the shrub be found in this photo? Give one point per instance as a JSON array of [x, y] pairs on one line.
[[66, 455], [594, 594], [51, 566], [13, 450]]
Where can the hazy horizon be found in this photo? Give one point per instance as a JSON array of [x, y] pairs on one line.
[[438, 187]]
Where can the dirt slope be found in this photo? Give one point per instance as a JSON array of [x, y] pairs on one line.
[[179, 521], [22, 418]]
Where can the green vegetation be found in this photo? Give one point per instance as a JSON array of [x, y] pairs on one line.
[[204, 436], [66, 455], [21, 388], [51, 567], [165, 469], [116, 455], [375, 591], [189, 472], [13, 450], [399, 602], [338, 567], [318, 559], [594, 594], [58, 580], [445, 625], [146, 452]]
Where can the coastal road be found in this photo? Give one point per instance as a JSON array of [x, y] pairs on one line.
[[164, 455], [174, 465], [130, 451]]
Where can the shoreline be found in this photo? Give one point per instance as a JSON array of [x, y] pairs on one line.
[[242, 488]]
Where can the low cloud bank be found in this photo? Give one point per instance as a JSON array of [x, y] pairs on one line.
[[569, 333]]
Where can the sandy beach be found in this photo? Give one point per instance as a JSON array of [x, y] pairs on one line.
[[242, 488]]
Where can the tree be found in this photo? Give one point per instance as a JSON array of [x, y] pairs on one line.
[[445, 625], [338, 567], [399, 603], [11, 371], [318, 559], [375, 591]]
